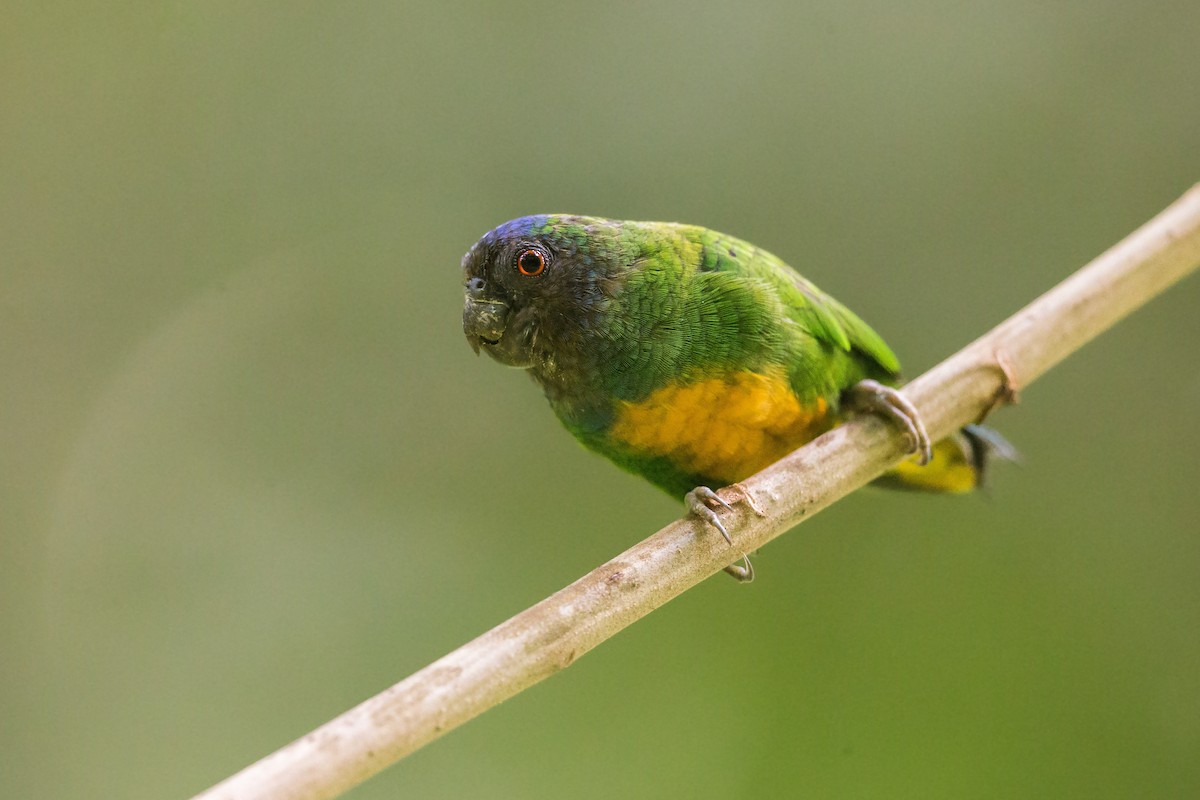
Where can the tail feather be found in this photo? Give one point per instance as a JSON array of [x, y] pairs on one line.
[[959, 464]]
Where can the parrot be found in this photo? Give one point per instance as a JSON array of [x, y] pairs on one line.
[[690, 357]]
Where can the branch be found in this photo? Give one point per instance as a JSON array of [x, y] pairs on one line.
[[549, 636]]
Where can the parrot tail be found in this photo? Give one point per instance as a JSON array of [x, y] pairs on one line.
[[959, 463]]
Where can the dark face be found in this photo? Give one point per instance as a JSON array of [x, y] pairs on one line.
[[530, 288]]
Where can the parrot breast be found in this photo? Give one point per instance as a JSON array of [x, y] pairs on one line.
[[725, 428]]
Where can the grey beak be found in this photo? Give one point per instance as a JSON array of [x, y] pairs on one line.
[[483, 321]]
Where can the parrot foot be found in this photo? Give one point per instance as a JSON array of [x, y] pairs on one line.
[[872, 395], [702, 502], [741, 574]]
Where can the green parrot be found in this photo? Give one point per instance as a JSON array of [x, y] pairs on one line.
[[690, 357]]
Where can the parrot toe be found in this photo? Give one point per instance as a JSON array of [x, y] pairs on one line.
[[873, 396], [741, 574], [702, 502]]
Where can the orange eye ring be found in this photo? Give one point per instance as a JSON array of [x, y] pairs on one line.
[[531, 263]]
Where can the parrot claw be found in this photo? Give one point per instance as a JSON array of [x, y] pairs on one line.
[[741, 574], [701, 502], [872, 395]]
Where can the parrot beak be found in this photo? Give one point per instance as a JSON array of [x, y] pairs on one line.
[[483, 321], [494, 326], [488, 325]]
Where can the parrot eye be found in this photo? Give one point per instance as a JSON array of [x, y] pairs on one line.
[[531, 263]]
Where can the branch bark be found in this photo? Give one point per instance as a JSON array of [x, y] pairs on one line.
[[549, 636]]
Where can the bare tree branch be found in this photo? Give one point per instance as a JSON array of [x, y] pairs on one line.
[[552, 634]]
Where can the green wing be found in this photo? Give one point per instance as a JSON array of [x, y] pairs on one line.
[[816, 312], [832, 322]]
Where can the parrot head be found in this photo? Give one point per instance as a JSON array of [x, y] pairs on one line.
[[535, 287]]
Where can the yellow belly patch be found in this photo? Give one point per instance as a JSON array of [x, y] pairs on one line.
[[727, 428]]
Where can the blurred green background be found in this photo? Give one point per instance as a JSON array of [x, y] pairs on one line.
[[252, 474]]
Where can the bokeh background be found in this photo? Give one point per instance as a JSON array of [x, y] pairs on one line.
[[252, 474]]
